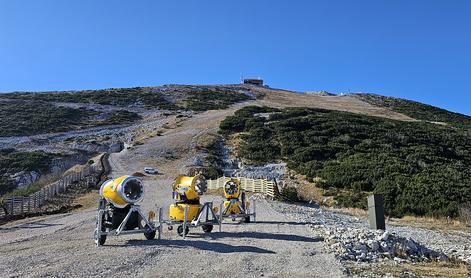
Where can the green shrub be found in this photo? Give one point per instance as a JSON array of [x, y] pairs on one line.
[[420, 168], [118, 96], [289, 194], [20, 118], [418, 110], [210, 100], [120, 117]]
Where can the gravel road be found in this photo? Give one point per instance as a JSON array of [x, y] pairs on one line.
[[61, 245]]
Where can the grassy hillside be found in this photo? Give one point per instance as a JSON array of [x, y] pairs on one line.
[[210, 100], [197, 98], [420, 168], [34, 113], [19, 118], [116, 97], [418, 110]]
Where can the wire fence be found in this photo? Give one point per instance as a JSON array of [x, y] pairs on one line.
[[264, 186], [22, 205]]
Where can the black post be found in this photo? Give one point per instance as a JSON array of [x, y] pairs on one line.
[[376, 212]]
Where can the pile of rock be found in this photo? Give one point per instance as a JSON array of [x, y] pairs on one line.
[[370, 246], [273, 171], [351, 240]]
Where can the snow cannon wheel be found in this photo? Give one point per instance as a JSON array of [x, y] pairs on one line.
[[150, 233], [207, 228], [180, 230], [99, 241]]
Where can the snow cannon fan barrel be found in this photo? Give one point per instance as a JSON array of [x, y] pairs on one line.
[[123, 191], [189, 188], [186, 193], [232, 189]]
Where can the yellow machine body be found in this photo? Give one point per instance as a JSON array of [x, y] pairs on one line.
[[110, 192], [234, 208], [232, 189], [185, 186], [186, 193], [177, 212]]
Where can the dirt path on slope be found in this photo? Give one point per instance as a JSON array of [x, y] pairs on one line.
[[348, 103], [61, 245]]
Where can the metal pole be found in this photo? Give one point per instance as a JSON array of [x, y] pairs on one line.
[[207, 211], [160, 223], [99, 224], [254, 213], [220, 217], [185, 216]]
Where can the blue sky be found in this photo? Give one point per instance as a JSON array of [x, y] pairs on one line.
[[418, 50]]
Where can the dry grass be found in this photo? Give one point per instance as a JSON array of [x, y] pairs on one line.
[[284, 98], [465, 215], [138, 174], [87, 201], [360, 213], [430, 269], [233, 143], [439, 224], [307, 191], [206, 140]]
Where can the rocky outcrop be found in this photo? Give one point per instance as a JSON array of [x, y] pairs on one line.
[[24, 178]]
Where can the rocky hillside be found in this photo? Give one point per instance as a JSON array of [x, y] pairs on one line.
[[69, 127]]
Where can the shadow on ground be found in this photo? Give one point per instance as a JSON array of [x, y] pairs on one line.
[[201, 245], [32, 225], [260, 235]]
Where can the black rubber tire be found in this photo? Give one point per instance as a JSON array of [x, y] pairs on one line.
[[99, 241], [150, 235], [247, 219], [207, 228], [180, 230]]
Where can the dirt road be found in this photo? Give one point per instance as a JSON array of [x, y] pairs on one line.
[[61, 245]]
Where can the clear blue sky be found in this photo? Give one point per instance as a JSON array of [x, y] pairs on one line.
[[413, 49]]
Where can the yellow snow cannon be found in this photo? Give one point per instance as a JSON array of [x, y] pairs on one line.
[[119, 210], [122, 191], [187, 210], [186, 193], [236, 205]]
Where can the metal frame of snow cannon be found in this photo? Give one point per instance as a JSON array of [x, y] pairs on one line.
[[202, 220], [149, 229], [244, 214], [236, 206]]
